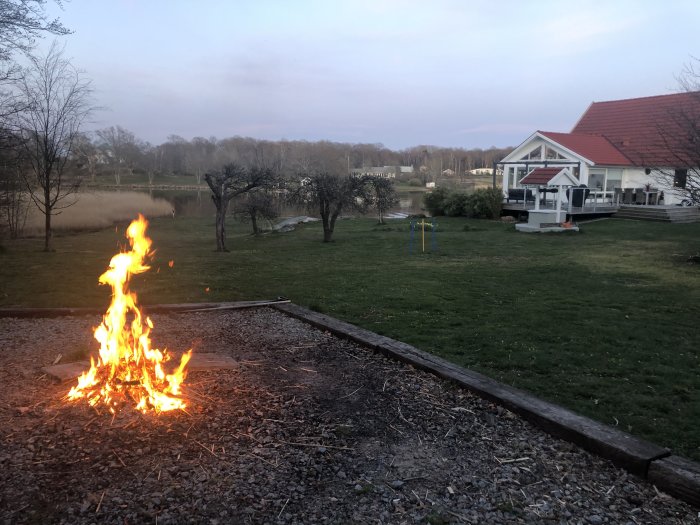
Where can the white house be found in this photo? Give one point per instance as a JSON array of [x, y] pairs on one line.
[[481, 171], [617, 145]]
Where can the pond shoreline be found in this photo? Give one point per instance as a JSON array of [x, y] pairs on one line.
[[164, 187]]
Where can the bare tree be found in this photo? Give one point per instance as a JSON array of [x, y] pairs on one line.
[[14, 200], [199, 156], [150, 156], [383, 195], [21, 23], [57, 100], [679, 139], [259, 204], [122, 150], [330, 194], [231, 181], [86, 155]]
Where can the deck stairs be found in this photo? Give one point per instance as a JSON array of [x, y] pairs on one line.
[[675, 214]]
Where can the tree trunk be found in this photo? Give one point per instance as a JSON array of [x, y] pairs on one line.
[[254, 222], [325, 217], [329, 226], [47, 230], [220, 226], [327, 234]]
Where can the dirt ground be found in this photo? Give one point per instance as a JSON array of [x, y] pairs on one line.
[[307, 429]]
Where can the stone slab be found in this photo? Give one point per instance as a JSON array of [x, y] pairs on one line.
[[625, 450], [66, 371], [204, 361], [678, 477], [199, 362]]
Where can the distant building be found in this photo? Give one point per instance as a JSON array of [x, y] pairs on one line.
[[448, 172], [385, 172], [481, 171]]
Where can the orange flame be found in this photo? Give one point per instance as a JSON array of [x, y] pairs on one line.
[[128, 369]]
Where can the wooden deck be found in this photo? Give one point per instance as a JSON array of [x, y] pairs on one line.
[[592, 210], [676, 214]]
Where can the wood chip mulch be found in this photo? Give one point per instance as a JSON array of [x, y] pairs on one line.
[[308, 429]]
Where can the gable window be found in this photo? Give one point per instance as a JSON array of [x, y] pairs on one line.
[[680, 178], [551, 154], [534, 154]]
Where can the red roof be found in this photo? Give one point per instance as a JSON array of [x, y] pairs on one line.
[[593, 147], [650, 131], [540, 176]]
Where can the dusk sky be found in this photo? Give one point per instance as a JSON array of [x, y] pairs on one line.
[[400, 72]]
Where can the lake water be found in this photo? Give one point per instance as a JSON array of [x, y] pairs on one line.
[[100, 209], [199, 203]]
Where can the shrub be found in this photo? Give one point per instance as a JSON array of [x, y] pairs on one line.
[[435, 201], [457, 204], [482, 204], [486, 203], [415, 182]]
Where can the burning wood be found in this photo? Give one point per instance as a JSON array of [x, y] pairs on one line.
[[128, 370]]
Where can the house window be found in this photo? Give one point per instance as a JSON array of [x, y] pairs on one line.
[[679, 178], [534, 154], [519, 175], [614, 179], [596, 179], [552, 154]]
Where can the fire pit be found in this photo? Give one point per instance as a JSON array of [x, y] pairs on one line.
[[128, 369], [307, 428]]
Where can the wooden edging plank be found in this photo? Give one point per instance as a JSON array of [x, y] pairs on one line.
[[154, 308], [678, 477]]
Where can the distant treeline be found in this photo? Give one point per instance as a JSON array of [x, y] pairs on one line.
[[115, 152]]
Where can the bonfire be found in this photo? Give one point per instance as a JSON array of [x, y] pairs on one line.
[[127, 371]]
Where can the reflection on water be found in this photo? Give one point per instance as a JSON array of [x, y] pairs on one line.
[[101, 209], [199, 203], [187, 203]]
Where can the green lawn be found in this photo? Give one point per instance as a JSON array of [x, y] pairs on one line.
[[603, 322]]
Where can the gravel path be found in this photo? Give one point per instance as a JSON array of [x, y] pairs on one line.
[[309, 429]]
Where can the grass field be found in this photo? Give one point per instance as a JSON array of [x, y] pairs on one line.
[[603, 322]]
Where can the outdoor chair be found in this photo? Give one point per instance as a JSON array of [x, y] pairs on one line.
[[577, 196], [639, 197], [628, 196], [545, 191], [520, 194], [617, 195]]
